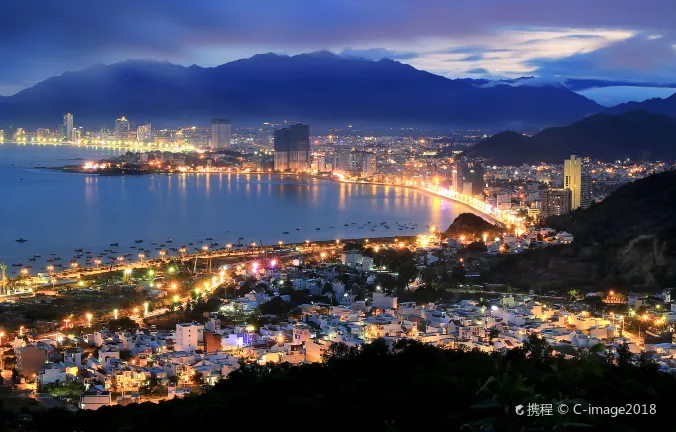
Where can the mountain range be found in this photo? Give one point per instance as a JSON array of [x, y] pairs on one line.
[[639, 135], [319, 87]]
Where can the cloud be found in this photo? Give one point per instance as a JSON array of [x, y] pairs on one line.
[[480, 71], [377, 54], [633, 59]]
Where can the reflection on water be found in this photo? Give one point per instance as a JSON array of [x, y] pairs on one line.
[[60, 212]]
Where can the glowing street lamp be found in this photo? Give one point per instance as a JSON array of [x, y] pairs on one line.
[[273, 263], [145, 308], [175, 298], [2, 335], [172, 269], [21, 331], [135, 311], [115, 313], [323, 255], [206, 286], [173, 286], [89, 319], [485, 237], [280, 243]]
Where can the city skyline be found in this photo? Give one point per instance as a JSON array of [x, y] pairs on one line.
[[492, 40]]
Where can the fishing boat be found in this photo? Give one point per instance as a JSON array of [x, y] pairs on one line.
[[137, 241], [21, 240], [115, 244], [285, 232]]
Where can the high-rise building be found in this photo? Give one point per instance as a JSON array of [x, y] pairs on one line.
[[369, 166], [144, 133], [555, 202], [74, 136], [2, 135], [292, 148], [68, 126], [577, 178], [220, 133], [121, 129], [266, 133]]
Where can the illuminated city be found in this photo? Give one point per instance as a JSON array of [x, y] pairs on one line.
[[424, 215]]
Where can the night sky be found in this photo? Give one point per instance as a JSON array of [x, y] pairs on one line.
[[606, 39]]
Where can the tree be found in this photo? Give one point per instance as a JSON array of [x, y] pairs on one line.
[[328, 288], [120, 324], [197, 378]]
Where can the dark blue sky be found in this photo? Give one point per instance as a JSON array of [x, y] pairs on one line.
[[608, 39]]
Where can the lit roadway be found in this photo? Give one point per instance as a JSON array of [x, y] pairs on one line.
[[498, 216]]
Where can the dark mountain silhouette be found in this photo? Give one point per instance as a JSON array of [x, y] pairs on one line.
[[317, 87], [638, 135], [661, 106]]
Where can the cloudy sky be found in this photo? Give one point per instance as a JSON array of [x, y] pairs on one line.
[[607, 39]]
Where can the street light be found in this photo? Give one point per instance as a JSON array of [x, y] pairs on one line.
[[89, 319], [135, 311], [145, 308], [115, 313]]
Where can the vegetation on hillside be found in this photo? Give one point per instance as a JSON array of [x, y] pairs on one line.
[[627, 241], [412, 387]]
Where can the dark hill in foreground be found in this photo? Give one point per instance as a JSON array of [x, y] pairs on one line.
[[638, 135], [416, 388], [471, 225], [628, 241]]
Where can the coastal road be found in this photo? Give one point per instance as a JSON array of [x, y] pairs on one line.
[[47, 400]]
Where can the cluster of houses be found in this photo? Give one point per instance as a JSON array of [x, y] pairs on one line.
[[193, 354]]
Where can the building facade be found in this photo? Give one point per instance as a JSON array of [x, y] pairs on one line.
[[187, 336], [577, 178], [121, 129], [220, 133], [68, 125], [555, 202], [292, 148], [144, 133]]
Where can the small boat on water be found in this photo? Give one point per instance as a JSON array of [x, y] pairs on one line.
[[210, 238], [346, 225], [21, 240], [317, 229], [169, 241], [36, 256], [17, 265], [78, 250], [114, 244], [298, 229], [137, 241], [285, 232], [32, 259]]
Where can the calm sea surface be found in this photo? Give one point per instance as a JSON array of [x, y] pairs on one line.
[[60, 212]]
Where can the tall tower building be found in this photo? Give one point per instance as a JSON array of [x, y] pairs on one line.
[[2, 135], [121, 129], [68, 126], [220, 133], [292, 148], [144, 133], [577, 178]]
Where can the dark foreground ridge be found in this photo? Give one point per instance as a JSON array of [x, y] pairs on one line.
[[411, 387]]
